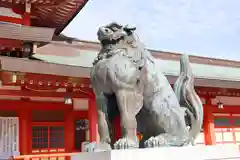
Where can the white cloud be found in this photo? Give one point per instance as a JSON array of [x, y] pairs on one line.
[[201, 27]]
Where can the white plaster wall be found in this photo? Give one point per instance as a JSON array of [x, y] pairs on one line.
[[9, 13], [80, 104]]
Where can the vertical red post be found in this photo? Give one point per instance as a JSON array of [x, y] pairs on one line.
[[24, 127], [69, 130], [26, 16], [92, 118], [26, 19], [117, 128], [208, 124]]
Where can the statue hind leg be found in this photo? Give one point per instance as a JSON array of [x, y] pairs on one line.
[[168, 115], [146, 126]]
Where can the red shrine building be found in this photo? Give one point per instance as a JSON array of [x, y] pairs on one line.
[[44, 107], [216, 81], [46, 101]]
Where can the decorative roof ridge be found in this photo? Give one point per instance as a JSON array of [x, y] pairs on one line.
[[166, 55], [37, 60]]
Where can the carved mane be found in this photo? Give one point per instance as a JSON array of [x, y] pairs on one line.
[[135, 49]]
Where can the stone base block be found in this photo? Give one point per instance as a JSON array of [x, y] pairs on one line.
[[171, 153]]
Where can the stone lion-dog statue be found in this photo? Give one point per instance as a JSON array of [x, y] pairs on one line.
[[127, 82]]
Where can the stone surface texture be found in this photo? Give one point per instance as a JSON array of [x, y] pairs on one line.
[[128, 83]]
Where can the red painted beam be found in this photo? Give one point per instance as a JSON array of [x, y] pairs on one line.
[[11, 20], [226, 109], [32, 105], [80, 114], [9, 43], [26, 93]]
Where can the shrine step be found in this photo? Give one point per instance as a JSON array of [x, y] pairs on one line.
[[172, 153]]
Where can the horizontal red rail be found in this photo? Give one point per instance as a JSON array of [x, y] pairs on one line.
[[27, 157]]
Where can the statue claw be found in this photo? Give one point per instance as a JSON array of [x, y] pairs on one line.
[[154, 142], [97, 147], [166, 140], [125, 143]]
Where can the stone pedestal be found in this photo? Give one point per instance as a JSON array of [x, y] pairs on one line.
[[172, 153]]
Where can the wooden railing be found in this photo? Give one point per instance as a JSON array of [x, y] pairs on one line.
[[55, 156]]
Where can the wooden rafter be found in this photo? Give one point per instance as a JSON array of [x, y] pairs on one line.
[[47, 12]]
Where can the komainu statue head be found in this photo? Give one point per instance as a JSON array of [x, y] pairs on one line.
[[114, 32], [123, 37]]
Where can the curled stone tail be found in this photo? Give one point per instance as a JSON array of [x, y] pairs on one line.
[[188, 98]]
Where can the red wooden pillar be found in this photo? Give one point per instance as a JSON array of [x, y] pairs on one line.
[[26, 16], [69, 130], [26, 19], [208, 124], [117, 128], [92, 118], [24, 131]]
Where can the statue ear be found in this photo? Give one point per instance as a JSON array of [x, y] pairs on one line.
[[129, 29], [115, 24]]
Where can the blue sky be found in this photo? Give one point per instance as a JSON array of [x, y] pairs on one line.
[[208, 28]]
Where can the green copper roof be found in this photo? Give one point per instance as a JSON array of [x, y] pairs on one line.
[[169, 67], [201, 70]]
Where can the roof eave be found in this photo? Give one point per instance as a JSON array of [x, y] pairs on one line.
[[58, 31]]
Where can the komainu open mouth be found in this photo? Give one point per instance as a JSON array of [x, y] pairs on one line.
[[113, 41]]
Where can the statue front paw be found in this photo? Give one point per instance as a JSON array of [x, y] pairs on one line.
[[166, 140], [97, 147], [126, 143], [154, 142]]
